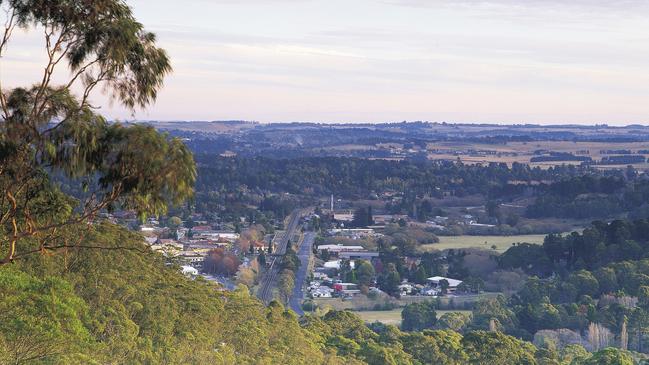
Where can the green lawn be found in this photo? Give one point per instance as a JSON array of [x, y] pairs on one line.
[[502, 242], [394, 316]]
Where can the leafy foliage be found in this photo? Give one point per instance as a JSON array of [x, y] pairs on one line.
[[47, 130]]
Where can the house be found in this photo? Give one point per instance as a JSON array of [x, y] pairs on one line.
[[406, 289], [346, 289], [435, 283], [322, 292]]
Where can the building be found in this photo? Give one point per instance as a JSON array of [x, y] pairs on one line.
[[199, 229], [148, 228], [358, 255], [192, 258], [343, 217], [352, 232], [406, 289], [346, 289], [435, 283], [336, 264], [189, 271], [336, 249], [217, 236]]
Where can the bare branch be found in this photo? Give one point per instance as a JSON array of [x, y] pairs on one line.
[[8, 29]]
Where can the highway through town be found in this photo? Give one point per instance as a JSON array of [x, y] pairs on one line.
[[304, 254], [268, 282]]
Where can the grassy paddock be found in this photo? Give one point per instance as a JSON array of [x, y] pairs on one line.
[[502, 242], [394, 316], [362, 303]]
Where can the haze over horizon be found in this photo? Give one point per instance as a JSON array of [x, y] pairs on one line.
[[495, 61]]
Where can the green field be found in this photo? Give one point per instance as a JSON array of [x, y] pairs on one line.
[[394, 316], [502, 242]]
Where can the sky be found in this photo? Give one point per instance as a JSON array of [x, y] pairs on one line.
[[495, 61]]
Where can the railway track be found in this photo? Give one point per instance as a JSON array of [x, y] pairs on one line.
[[265, 291]]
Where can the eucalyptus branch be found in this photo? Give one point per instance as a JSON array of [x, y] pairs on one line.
[[53, 60]]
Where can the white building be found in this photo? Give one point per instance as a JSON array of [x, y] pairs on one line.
[[435, 283], [339, 248], [335, 264], [189, 271]]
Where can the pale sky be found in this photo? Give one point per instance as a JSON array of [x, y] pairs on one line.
[[501, 61]]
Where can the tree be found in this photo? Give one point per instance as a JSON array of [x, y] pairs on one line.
[[584, 282], [364, 272], [363, 217], [174, 222], [444, 285], [418, 316], [47, 130], [624, 336], [643, 297], [405, 244], [454, 321], [262, 259], [389, 281], [574, 354], [497, 348], [609, 356], [40, 320], [248, 275], [598, 336], [286, 283], [420, 275], [218, 261], [435, 347], [493, 308]]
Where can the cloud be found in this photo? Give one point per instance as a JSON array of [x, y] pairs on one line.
[[623, 5]]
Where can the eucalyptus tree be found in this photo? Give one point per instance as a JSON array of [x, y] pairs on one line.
[[50, 128]]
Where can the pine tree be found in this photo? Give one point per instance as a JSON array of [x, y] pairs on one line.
[[492, 325], [624, 336]]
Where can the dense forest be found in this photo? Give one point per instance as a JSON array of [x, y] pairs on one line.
[[598, 276], [559, 192], [359, 178], [593, 197]]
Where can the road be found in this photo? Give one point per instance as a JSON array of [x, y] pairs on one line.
[[304, 254], [268, 282]]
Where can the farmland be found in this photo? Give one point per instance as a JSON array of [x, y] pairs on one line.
[[502, 243], [522, 152]]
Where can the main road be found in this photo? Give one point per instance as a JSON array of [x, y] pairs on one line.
[[304, 254], [268, 282]]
